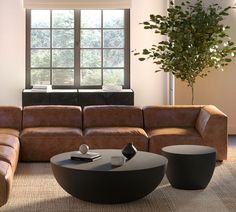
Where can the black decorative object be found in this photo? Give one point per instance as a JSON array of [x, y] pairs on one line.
[[129, 151]]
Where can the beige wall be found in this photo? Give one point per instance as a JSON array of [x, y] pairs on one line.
[[12, 51], [149, 88], [218, 88]]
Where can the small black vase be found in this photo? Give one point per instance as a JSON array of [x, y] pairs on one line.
[[129, 151]]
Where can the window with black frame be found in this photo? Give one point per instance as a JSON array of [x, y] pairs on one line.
[[77, 48]]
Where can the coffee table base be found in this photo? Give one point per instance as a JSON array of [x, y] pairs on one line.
[[105, 187]]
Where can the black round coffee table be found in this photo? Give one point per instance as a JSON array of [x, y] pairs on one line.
[[189, 167], [100, 182]]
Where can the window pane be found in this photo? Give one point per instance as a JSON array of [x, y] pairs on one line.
[[40, 76], [90, 18], [63, 38], [63, 58], [90, 77], [113, 58], [63, 76], [40, 18], [40, 58], [113, 38], [90, 58], [113, 18], [90, 39], [113, 77], [63, 19], [40, 38]]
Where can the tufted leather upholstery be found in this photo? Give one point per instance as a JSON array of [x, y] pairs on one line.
[[10, 124], [193, 124], [50, 130], [114, 126]]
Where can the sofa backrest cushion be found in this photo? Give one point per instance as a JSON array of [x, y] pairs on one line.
[[170, 116], [112, 116], [10, 117], [52, 116]]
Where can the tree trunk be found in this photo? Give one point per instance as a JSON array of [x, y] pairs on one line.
[[192, 87]]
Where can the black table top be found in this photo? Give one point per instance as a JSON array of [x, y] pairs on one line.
[[141, 161], [188, 149]]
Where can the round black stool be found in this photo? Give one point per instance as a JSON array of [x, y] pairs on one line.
[[189, 167]]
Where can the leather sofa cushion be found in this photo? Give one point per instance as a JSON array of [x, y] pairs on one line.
[[9, 155], [170, 116], [9, 140], [6, 177], [41, 143], [11, 117], [112, 116], [9, 131], [161, 137], [52, 132], [112, 131], [116, 138], [52, 116], [173, 131]]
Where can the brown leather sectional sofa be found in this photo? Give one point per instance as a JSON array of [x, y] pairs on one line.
[[44, 131]]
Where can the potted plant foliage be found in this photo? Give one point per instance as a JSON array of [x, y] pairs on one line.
[[196, 41]]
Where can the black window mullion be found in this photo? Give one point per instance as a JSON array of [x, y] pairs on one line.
[[51, 47], [28, 49], [127, 49], [102, 41], [77, 70]]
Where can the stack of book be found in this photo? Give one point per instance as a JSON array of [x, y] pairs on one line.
[[42, 88], [88, 157]]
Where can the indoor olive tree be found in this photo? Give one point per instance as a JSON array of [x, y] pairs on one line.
[[197, 40]]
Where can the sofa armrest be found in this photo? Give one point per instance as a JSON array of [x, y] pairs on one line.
[[212, 126], [6, 176]]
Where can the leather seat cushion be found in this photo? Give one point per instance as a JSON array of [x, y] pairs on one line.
[[121, 131], [41, 143], [161, 137], [6, 177], [116, 137], [9, 131], [9, 140], [52, 132], [9, 155]]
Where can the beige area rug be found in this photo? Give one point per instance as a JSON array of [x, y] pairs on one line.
[[35, 189], [232, 153]]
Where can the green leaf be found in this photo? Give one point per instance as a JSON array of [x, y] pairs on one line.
[[228, 60], [145, 52], [142, 59]]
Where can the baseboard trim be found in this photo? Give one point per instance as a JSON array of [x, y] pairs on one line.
[[232, 130]]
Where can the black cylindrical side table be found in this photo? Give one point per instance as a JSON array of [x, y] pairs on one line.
[[189, 167]]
